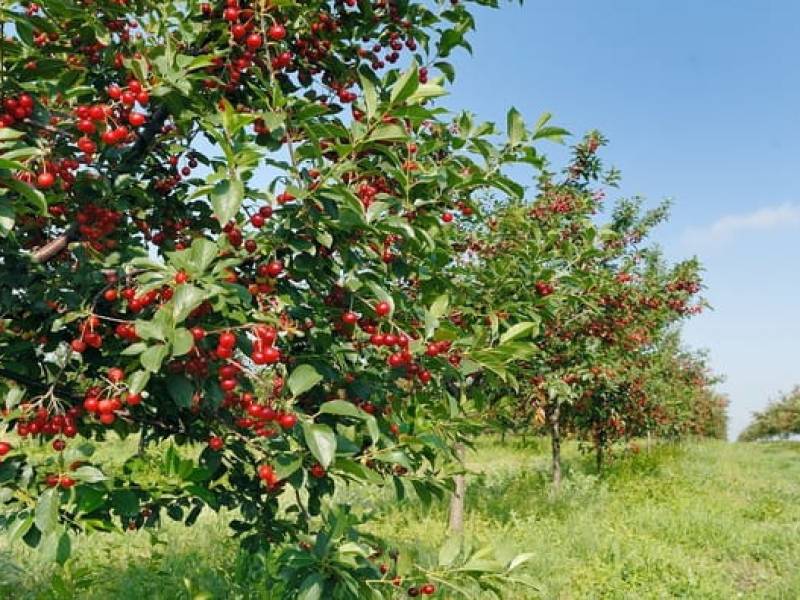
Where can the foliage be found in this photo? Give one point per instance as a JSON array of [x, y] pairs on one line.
[[780, 419], [247, 235], [706, 519], [229, 225]]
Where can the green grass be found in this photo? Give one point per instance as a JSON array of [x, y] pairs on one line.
[[701, 520]]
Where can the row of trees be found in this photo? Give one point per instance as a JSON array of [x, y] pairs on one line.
[[240, 226], [780, 419]]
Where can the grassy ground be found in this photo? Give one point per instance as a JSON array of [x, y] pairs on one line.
[[705, 520]]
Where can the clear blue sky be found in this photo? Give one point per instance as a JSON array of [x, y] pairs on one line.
[[701, 102]]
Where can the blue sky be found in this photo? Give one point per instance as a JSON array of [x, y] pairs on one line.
[[700, 101]]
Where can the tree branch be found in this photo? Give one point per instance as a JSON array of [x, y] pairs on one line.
[[56, 245]]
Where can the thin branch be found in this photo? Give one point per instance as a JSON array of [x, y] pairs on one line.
[[56, 245]]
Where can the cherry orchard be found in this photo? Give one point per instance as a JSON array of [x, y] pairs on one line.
[[597, 305], [228, 225]]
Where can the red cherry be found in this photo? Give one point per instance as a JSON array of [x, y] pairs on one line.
[[274, 268], [287, 420], [97, 112], [110, 295], [59, 445], [78, 346], [277, 32], [45, 181], [267, 473], [266, 333], [5, 448], [271, 355], [447, 217], [317, 471], [133, 399], [227, 340], [181, 277], [350, 318], [137, 119], [115, 374], [216, 443], [253, 41], [382, 309], [428, 589]]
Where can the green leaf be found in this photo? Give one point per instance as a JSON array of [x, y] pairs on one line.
[[63, 549], [388, 131], [10, 164], [89, 474], [311, 588], [302, 379], [152, 358], [321, 440], [437, 310], [202, 254], [138, 381], [370, 97], [226, 199], [450, 550], [524, 329], [519, 560], [425, 91], [181, 390], [554, 134], [182, 341], [125, 502], [7, 219], [405, 85], [18, 529], [187, 297], [151, 330], [342, 408], [285, 466], [447, 70], [34, 197], [47, 511], [516, 127], [373, 429], [134, 349]]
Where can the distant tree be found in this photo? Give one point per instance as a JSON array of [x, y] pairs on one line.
[[780, 419]]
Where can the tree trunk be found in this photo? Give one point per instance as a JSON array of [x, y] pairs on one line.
[[457, 500], [599, 456], [555, 437], [142, 440]]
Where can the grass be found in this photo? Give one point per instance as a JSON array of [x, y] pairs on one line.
[[701, 520]]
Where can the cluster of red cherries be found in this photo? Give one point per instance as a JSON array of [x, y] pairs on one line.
[[106, 403]]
